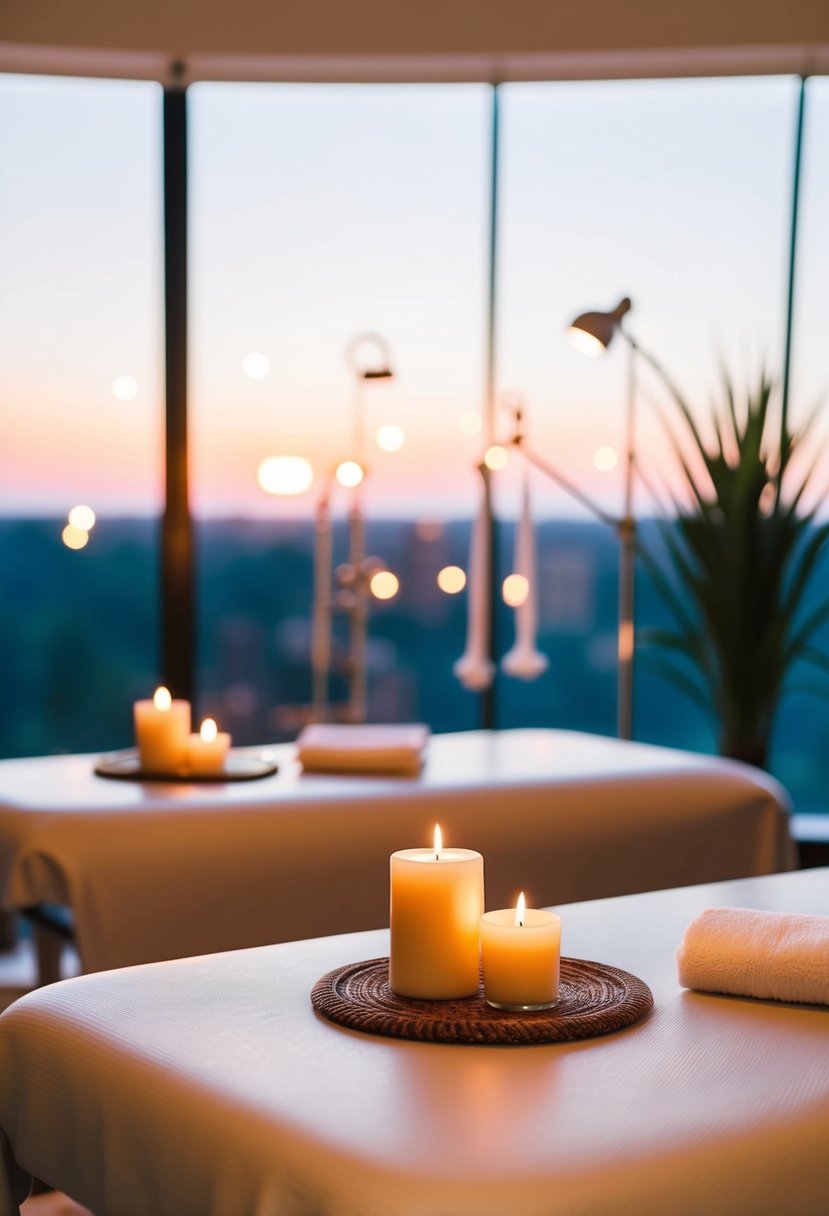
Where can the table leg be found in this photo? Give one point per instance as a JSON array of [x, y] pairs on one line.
[[49, 948], [8, 930]]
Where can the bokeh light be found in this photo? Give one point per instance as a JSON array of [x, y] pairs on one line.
[[605, 459], [451, 579], [285, 475], [82, 517], [256, 366], [74, 538], [391, 437], [470, 423], [515, 589], [125, 388], [384, 585], [349, 473], [496, 457]]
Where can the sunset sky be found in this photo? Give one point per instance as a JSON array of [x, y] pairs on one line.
[[321, 212]]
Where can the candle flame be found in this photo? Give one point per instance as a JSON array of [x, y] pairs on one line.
[[208, 730], [162, 699], [520, 908], [438, 841]]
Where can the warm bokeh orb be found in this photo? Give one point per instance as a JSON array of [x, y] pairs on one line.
[[74, 538], [125, 388], [605, 459], [82, 517], [496, 457], [391, 437], [384, 585], [470, 423], [256, 366], [451, 579], [515, 589], [285, 475], [349, 473]]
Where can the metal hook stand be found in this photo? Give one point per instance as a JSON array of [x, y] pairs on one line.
[[625, 527], [348, 589]]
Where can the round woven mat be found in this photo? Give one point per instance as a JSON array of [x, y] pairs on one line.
[[593, 999]]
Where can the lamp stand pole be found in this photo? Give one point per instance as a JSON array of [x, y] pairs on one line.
[[626, 529]]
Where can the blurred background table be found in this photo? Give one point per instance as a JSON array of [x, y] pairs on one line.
[[158, 870]]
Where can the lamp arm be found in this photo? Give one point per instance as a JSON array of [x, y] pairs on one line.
[[564, 482], [651, 360]]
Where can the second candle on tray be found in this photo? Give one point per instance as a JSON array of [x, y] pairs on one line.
[[520, 953], [437, 899]]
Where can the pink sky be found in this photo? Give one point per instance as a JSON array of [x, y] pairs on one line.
[[321, 213]]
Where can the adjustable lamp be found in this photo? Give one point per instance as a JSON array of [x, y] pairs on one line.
[[592, 332]]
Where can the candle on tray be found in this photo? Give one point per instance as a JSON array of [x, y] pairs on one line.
[[207, 751], [520, 950], [437, 897], [162, 729]]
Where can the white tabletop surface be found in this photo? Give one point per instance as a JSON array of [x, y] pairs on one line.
[[159, 870], [210, 1086]]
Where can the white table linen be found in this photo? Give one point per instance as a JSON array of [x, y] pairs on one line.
[[155, 870], [210, 1086]]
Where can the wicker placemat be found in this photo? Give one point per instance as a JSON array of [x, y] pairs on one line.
[[594, 999]]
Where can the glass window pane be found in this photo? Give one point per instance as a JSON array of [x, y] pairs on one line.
[[322, 213], [80, 407], [675, 194]]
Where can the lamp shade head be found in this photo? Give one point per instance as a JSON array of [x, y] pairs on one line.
[[591, 332]]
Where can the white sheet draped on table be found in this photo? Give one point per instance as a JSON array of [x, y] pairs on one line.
[[160, 871], [210, 1086]]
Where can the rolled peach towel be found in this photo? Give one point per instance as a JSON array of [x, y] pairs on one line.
[[772, 955]]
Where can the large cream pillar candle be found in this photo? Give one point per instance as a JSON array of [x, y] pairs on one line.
[[162, 732], [521, 955], [437, 898]]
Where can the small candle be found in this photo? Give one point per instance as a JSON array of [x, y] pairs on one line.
[[520, 951], [437, 897], [162, 727], [207, 751]]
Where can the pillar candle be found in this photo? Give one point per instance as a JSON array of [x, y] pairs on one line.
[[437, 897], [207, 751], [520, 952], [162, 730]]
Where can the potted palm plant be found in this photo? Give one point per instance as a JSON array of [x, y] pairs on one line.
[[742, 550]]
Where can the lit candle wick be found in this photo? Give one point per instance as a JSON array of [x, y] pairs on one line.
[[519, 911], [438, 841]]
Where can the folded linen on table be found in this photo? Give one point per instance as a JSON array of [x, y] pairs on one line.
[[376, 748], [771, 955]]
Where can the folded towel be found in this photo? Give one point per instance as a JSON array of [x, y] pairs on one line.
[[775, 956], [339, 747]]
